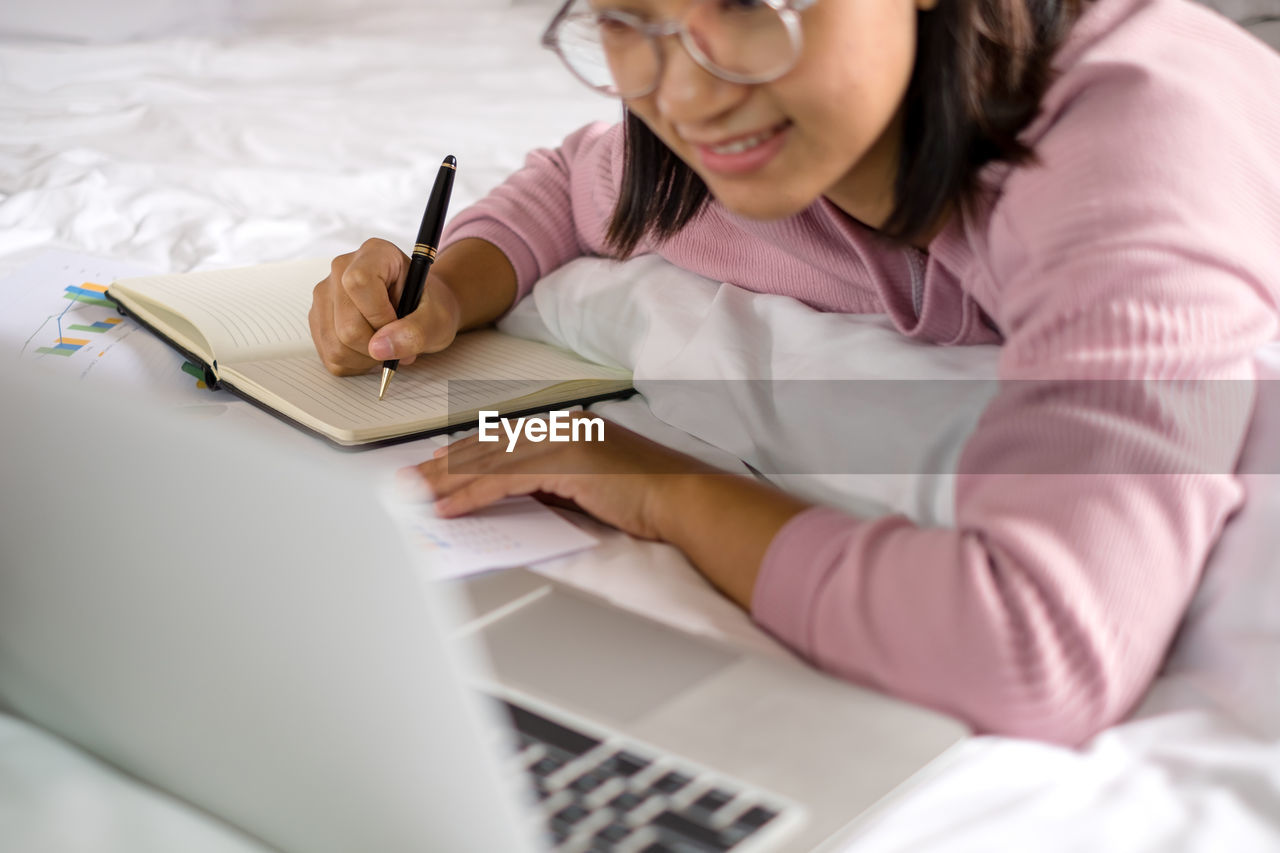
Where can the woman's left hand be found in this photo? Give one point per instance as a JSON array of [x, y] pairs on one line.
[[625, 480], [723, 523]]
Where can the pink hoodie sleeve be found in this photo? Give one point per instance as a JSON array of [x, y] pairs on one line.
[[554, 209], [1085, 505]]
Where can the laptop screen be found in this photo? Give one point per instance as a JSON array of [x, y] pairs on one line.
[[229, 615]]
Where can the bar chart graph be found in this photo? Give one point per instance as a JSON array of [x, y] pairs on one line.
[[58, 316], [98, 326], [64, 347], [88, 293]]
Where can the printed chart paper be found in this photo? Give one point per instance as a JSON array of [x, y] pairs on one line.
[[56, 317], [513, 532]]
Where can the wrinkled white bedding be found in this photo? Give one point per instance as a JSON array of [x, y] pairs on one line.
[[293, 136]]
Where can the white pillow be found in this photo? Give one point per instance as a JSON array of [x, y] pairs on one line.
[[1229, 648], [663, 321], [1244, 11], [1268, 31]]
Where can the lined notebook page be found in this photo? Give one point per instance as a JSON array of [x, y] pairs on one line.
[[349, 406], [245, 313]]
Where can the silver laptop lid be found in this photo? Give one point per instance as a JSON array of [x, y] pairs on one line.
[[230, 617]]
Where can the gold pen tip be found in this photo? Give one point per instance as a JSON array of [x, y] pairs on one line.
[[387, 373]]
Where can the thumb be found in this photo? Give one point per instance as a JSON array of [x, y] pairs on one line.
[[430, 328], [404, 338]]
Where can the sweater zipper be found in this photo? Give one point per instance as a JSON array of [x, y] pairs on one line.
[[917, 282]]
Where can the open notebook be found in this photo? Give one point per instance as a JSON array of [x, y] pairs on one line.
[[248, 327]]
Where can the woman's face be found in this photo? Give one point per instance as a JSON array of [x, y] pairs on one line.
[[827, 127]]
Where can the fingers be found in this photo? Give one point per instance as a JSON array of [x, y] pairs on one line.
[[483, 491], [356, 301], [453, 467], [363, 285], [470, 473], [460, 476], [375, 273], [430, 328], [338, 358], [403, 339]]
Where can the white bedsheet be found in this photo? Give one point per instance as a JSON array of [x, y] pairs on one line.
[[1197, 767], [293, 137]]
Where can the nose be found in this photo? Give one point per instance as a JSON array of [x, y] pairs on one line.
[[686, 91]]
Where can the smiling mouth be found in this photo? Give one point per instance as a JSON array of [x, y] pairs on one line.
[[746, 143]]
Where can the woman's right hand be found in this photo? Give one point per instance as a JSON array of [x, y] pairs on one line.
[[353, 312]]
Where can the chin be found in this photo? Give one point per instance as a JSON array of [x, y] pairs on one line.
[[760, 206]]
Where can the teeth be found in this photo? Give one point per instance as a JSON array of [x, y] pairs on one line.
[[740, 145]]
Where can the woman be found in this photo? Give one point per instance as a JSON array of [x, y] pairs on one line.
[[1095, 186]]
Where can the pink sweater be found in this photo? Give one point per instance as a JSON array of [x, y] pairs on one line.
[[1145, 245]]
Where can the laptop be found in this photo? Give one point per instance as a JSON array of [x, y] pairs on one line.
[[228, 613]]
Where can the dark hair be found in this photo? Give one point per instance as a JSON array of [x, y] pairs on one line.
[[981, 68]]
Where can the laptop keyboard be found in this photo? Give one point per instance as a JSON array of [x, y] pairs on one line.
[[601, 795]]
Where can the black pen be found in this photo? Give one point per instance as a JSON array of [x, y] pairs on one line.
[[424, 254]]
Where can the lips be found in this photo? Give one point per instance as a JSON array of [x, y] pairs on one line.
[[737, 146], [745, 153]]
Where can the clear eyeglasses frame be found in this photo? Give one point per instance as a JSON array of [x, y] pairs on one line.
[[620, 54]]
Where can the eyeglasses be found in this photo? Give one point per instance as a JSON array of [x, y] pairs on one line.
[[618, 53]]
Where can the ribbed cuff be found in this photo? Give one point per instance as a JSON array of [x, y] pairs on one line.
[[799, 559]]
